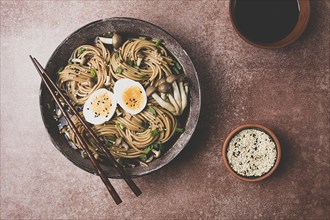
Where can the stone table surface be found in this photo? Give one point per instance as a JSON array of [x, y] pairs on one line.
[[286, 90]]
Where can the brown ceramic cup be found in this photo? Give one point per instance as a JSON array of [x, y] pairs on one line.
[[300, 27], [233, 133]]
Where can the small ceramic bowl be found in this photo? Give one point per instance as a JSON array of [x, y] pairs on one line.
[[303, 19], [258, 127]]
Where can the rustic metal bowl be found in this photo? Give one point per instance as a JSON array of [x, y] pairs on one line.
[[86, 35]]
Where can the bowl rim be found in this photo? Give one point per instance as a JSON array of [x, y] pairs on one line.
[[234, 132], [298, 30], [197, 106]]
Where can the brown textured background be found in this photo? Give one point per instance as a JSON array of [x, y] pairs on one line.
[[286, 90]]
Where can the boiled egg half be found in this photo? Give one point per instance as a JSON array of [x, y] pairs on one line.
[[100, 107], [130, 95]]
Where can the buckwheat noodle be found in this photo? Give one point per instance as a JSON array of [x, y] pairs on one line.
[[94, 67]]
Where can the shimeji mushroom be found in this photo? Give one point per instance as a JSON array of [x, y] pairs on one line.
[[183, 91], [156, 152], [163, 87], [116, 40], [118, 141], [186, 87], [125, 145], [175, 104], [140, 57], [171, 79], [183, 96], [143, 164], [149, 159], [107, 81], [58, 113], [151, 91]]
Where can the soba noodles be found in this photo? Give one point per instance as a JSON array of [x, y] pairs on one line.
[[137, 137]]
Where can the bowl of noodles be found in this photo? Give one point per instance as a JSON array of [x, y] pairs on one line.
[[135, 86]]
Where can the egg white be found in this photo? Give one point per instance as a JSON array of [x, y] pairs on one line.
[[90, 115], [123, 85]]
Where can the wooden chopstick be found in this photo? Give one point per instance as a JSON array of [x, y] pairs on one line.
[[105, 180], [99, 143]]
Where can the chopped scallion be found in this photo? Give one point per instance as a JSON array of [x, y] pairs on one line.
[[153, 133], [142, 38], [156, 146], [110, 138], [119, 70], [130, 62], [108, 144], [177, 71], [143, 158], [120, 126], [116, 55], [93, 72], [60, 69], [136, 67], [152, 110], [143, 76], [130, 40], [81, 50], [148, 149], [177, 64], [145, 124], [179, 130], [158, 41]]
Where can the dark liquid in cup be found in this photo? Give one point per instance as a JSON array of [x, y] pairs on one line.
[[265, 21]]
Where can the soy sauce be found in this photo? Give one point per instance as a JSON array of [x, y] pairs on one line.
[[265, 21]]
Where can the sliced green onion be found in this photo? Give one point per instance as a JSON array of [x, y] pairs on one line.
[[152, 110], [145, 124], [143, 76], [48, 105], [156, 146], [108, 144], [136, 67], [142, 38], [130, 62], [177, 71], [179, 130], [83, 154], [130, 40], [93, 72], [153, 133], [116, 55], [110, 138], [158, 41], [148, 149], [60, 69], [177, 64], [81, 50], [119, 125], [119, 70], [143, 158]]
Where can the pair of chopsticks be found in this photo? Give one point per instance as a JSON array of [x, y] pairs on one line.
[[51, 86]]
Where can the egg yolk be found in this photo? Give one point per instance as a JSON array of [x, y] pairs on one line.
[[133, 97], [101, 105]]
